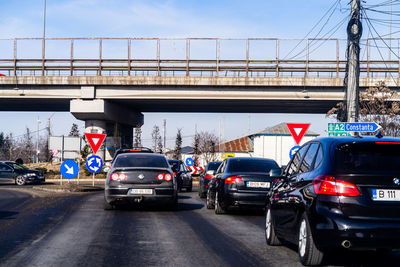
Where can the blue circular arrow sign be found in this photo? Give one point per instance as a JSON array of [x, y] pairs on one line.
[[94, 164], [69, 169], [293, 151], [189, 162]]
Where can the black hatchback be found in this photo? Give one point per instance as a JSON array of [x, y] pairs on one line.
[[337, 192]]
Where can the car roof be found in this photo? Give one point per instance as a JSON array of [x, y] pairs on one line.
[[352, 139]]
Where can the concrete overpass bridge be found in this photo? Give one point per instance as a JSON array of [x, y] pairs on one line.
[[109, 82]]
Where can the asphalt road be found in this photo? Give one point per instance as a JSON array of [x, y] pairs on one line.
[[75, 231]]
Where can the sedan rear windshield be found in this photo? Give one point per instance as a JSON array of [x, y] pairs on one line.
[[368, 157], [251, 165], [136, 160]]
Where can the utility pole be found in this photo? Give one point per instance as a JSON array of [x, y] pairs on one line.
[[37, 141], [354, 32], [165, 134]]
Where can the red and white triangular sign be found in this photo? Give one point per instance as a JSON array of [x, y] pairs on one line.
[[95, 140], [298, 130]]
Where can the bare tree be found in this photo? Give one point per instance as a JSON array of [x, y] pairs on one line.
[[156, 137], [196, 149], [138, 136], [207, 146], [378, 104], [74, 130], [178, 145]]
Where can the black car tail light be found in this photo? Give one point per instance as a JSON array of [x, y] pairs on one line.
[[328, 185], [118, 176], [208, 176], [233, 179], [164, 177]]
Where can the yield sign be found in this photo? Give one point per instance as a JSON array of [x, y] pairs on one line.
[[95, 140], [298, 130]]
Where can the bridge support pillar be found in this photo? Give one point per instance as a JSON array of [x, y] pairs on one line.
[[102, 116]]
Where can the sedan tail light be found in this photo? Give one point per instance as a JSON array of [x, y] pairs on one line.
[[328, 185], [233, 179], [164, 177], [118, 176], [208, 176]]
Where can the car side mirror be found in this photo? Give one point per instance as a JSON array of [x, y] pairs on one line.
[[276, 173]]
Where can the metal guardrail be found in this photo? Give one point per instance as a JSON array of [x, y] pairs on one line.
[[274, 66]]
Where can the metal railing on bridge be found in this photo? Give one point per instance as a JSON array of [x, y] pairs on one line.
[[195, 57]]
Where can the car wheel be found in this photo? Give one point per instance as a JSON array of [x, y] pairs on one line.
[[217, 206], [270, 235], [108, 206], [20, 180], [309, 254], [210, 203]]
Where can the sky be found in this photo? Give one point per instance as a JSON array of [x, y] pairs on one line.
[[175, 18]]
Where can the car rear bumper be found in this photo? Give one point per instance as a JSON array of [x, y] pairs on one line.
[[245, 198], [116, 195], [334, 229]]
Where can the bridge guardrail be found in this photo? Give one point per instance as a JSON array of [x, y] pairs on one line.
[[272, 65]]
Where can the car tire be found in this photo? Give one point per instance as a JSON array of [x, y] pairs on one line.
[[209, 202], [309, 254], [217, 206], [20, 180], [108, 206], [270, 235]]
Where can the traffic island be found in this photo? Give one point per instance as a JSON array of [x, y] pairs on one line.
[[68, 188]]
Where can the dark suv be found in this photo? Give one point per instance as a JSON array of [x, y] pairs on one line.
[[12, 172], [337, 192]]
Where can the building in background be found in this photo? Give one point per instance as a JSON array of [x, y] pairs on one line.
[[274, 142]]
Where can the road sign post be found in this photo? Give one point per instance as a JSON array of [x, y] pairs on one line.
[[94, 164], [69, 169]]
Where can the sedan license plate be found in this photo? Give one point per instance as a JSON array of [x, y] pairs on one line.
[[385, 195], [141, 191], [258, 184]]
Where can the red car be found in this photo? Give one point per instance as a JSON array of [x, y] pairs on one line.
[[2, 74]]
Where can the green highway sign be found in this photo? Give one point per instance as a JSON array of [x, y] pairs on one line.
[[336, 127], [353, 127], [339, 134]]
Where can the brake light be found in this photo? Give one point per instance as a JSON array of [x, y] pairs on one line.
[[164, 177], [328, 185], [118, 176], [208, 176], [175, 174], [233, 179], [387, 143]]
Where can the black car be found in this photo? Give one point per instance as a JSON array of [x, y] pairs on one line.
[[140, 177], [206, 177], [240, 182], [182, 174], [337, 192], [12, 172]]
